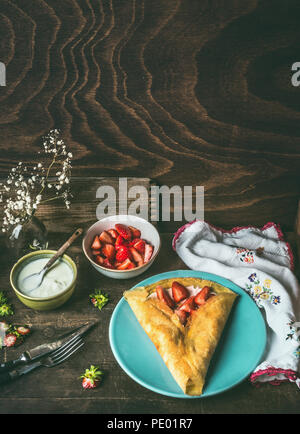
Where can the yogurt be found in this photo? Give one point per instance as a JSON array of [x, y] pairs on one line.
[[55, 281]]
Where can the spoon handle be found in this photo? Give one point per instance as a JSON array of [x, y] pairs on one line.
[[63, 248]]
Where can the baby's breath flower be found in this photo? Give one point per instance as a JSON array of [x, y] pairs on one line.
[[24, 188]]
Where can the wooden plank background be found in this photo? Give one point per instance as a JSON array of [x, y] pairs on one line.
[[184, 92]]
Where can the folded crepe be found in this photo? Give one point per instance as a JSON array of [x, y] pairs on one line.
[[186, 349]]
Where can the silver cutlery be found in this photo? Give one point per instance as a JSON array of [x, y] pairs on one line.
[[55, 358], [45, 349]]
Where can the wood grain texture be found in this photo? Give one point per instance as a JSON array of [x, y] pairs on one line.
[[83, 210], [185, 92]]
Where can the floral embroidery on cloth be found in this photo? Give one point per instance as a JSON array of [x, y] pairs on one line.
[[246, 255], [294, 333], [261, 290]]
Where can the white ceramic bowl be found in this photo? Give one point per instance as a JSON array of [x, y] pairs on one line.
[[148, 232]]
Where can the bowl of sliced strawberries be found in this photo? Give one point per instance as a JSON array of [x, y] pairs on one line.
[[121, 246]]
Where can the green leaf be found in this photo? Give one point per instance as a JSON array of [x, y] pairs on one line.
[[93, 373]]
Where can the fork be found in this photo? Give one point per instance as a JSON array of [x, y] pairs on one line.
[[55, 358]]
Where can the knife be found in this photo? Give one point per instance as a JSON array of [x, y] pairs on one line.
[[44, 349], [48, 361]]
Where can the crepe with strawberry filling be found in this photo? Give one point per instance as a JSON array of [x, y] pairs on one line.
[[184, 332]]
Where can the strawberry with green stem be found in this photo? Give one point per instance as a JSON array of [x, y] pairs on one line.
[[91, 377], [14, 335], [99, 299]]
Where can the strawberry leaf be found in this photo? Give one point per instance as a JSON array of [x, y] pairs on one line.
[[99, 299]]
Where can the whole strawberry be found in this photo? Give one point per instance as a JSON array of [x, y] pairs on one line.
[[91, 377]]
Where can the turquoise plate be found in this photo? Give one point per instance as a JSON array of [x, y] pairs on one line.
[[239, 351]]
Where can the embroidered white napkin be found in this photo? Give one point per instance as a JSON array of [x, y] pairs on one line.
[[260, 262]]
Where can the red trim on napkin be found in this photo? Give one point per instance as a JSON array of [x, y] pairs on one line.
[[239, 228], [290, 375]]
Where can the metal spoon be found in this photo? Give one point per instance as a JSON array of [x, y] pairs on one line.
[[33, 281]]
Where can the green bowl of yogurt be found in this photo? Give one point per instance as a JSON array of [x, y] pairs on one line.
[[57, 286]]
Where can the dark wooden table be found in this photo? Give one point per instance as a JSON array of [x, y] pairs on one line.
[[59, 390]]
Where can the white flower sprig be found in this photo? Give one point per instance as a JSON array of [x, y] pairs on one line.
[[25, 188]]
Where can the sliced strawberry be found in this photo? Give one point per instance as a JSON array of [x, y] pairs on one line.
[[188, 305], [125, 265], [122, 254], [130, 266], [107, 264], [99, 260], [182, 315], [96, 243], [113, 233], [136, 233], [164, 296], [179, 291], [23, 330], [148, 252], [202, 296], [120, 241], [137, 257], [96, 252], [109, 251], [10, 340], [123, 230], [106, 238], [139, 245]]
